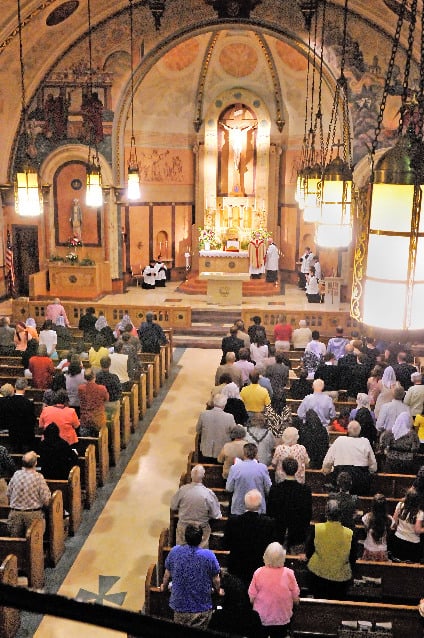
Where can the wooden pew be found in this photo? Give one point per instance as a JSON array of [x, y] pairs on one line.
[[142, 396], [10, 360], [154, 359], [114, 430], [29, 553], [101, 446], [391, 485], [147, 369], [319, 502], [134, 405], [399, 581], [325, 616], [162, 362], [339, 405], [9, 370], [71, 494], [87, 464], [9, 617], [125, 419], [312, 617]]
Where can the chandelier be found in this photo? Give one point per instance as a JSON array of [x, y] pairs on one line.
[[388, 277], [28, 200], [334, 223], [93, 188], [133, 191]]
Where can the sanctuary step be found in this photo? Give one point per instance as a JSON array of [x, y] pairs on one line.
[[251, 288], [207, 329]]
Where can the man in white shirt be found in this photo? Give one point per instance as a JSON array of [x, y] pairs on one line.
[[301, 336], [119, 366], [196, 504], [352, 454]]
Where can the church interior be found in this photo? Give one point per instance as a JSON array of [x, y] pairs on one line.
[[193, 133]]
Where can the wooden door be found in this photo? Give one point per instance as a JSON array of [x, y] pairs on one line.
[[26, 258]]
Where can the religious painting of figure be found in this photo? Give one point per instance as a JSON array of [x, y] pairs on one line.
[[56, 116], [92, 118]]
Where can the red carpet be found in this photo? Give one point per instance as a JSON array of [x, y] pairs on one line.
[[251, 288]]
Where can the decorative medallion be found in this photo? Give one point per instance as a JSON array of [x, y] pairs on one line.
[[76, 184], [238, 59], [182, 55], [231, 264], [291, 57], [73, 279]]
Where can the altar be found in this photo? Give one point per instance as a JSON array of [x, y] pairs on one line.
[[223, 261], [224, 289]]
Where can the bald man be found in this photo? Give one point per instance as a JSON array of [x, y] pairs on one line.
[[247, 536], [28, 495]]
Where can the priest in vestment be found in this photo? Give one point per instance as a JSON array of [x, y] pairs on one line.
[[256, 251]]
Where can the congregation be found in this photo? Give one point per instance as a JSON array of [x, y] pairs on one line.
[[282, 404], [81, 388], [349, 407]]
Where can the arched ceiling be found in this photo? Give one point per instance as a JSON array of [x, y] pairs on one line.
[[51, 28]]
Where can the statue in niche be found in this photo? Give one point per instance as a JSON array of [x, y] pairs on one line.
[[76, 218]]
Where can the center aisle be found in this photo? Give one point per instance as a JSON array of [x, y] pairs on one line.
[[113, 561]]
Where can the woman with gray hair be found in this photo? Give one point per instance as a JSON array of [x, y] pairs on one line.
[[400, 446], [273, 592], [362, 401], [290, 447]]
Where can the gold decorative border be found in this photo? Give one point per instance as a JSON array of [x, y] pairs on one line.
[[361, 204], [24, 23]]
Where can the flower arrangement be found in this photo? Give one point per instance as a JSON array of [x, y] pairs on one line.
[[207, 236], [74, 242], [71, 258], [260, 233]]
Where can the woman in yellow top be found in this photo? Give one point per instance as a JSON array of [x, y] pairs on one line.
[[96, 352], [419, 426]]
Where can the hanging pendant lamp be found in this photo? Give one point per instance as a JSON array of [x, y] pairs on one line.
[[28, 199]]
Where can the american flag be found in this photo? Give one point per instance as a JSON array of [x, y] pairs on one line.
[[11, 282]]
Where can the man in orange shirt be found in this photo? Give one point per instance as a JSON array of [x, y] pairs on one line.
[[41, 368]]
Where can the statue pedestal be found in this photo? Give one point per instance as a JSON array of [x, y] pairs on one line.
[[224, 289]]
